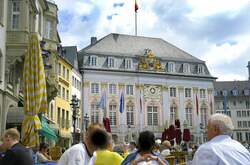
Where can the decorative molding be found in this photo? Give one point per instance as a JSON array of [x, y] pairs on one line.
[[180, 88], [104, 85], [195, 89], [121, 85], [164, 87], [86, 83]]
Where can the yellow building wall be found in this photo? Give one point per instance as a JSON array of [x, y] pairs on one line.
[[63, 99]]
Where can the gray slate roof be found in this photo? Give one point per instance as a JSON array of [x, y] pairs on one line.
[[230, 85], [128, 45], [71, 55]]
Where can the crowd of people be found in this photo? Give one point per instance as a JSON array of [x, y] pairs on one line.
[[97, 148]]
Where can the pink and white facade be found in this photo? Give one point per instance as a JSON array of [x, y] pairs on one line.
[[160, 83]]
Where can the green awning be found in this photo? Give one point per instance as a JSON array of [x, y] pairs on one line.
[[47, 131]]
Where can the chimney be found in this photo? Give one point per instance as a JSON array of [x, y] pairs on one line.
[[248, 70], [93, 40]]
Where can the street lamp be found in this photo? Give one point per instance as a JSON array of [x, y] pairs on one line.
[[201, 131], [86, 121], [75, 106]]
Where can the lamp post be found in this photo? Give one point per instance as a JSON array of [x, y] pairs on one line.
[[201, 132], [86, 121], [75, 106]]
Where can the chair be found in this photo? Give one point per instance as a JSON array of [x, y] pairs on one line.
[[55, 152], [170, 159], [180, 156]]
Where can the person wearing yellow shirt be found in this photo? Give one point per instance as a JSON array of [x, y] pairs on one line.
[[104, 155]]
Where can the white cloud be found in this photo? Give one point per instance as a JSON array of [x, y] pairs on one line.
[[152, 25], [227, 53], [203, 8]]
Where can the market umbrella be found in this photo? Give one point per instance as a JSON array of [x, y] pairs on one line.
[[35, 95]]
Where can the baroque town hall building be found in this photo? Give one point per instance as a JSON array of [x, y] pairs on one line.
[[159, 83]]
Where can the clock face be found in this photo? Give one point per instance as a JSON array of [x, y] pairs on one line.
[[152, 90]]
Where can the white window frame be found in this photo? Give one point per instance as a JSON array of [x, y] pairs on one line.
[[48, 31], [113, 114], [188, 92], [15, 12], [94, 112], [93, 61], [171, 67], [63, 92], [152, 115], [239, 136], [112, 89], [203, 93], [172, 91], [129, 89], [204, 115], [186, 68], [130, 114], [189, 115], [128, 64], [95, 88], [238, 113], [239, 124], [111, 62], [200, 69], [247, 104], [173, 111]]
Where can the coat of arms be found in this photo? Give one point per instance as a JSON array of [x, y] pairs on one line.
[[149, 62]]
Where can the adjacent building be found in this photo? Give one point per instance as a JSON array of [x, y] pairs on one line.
[[62, 101], [70, 53], [233, 98], [154, 81], [3, 27], [22, 18]]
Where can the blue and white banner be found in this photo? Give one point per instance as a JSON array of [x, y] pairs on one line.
[[102, 103], [122, 103]]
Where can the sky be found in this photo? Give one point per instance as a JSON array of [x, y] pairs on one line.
[[216, 31]]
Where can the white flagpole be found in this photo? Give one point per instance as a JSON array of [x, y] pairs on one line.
[[135, 23]]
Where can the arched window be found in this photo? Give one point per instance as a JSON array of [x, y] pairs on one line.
[[204, 116], [189, 115], [173, 113], [112, 113], [130, 113], [94, 112]]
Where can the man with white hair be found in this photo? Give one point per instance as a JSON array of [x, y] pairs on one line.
[[221, 149]]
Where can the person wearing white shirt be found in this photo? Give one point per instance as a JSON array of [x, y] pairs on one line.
[[81, 153], [221, 149]]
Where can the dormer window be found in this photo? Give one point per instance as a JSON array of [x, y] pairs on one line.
[[111, 62], [171, 67], [185, 68], [246, 92], [235, 92], [200, 69], [128, 63], [93, 61]]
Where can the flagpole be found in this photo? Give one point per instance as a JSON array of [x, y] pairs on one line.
[[136, 8], [135, 23]]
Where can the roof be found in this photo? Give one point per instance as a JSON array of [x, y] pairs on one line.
[[128, 45], [230, 85], [70, 54]]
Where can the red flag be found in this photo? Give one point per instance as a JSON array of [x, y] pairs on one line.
[[136, 6], [197, 105]]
